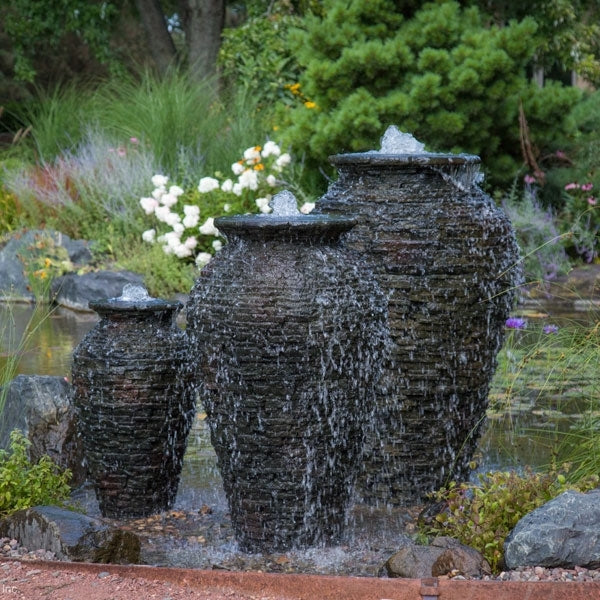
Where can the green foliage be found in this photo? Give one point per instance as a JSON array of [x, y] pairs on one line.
[[482, 515], [542, 245], [443, 76], [257, 57], [24, 484], [573, 180], [165, 275], [37, 27], [568, 35], [10, 211], [43, 261]]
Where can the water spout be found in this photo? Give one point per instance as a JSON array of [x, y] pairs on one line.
[[133, 293], [395, 141], [284, 204]]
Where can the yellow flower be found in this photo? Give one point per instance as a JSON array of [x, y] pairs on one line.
[[259, 167], [47, 262], [293, 87], [310, 104], [40, 273]]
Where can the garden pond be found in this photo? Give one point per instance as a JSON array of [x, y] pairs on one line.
[[546, 383]]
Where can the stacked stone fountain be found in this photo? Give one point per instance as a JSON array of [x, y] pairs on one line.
[[446, 255], [287, 335], [134, 404], [359, 343]]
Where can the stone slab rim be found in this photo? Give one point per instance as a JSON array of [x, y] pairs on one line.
[[397, 160]]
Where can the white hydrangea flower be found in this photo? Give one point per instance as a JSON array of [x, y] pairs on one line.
[[249, 179], [203, 258], [162, 213], [191, 242], [262, 202], [252, 155], [237, 189], [172, 239], [217, 245], [237, 168], [272, 180], [149, 205], [226, 207], [190, 221], [149, 235], [167, 249], [159, 181], [168, 199], [227, 185], [178, 228], [175, 190], [283, 161], [208, 184], [182, 251], [271, 148], [158, 193], [208, 227], [172, 219], [191, 209], [307, 208]]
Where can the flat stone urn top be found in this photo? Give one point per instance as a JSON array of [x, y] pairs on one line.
[[116, 305], [383, 159], [282, 226]]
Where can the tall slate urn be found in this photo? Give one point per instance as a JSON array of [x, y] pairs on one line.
[[286, 332], [133, 406], [446, 256]]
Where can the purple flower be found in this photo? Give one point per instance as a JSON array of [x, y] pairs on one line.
[[572, 186], [550, 328], [515, 323], [529, 179]]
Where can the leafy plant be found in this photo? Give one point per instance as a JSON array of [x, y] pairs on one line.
[[482, 515], [443, 75], [541, 244], [23, 483], [257, 57]]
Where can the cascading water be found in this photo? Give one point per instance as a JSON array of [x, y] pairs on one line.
[[446, 256], [287, 335], [134, 404]]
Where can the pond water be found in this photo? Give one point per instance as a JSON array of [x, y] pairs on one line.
[[536, 394]]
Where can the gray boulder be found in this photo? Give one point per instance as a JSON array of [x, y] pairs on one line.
[[77, 291], [14, 285], [564, 532], [71, 535], [444, 555], [40, 406]]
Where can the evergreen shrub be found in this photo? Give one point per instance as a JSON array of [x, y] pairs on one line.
[[443, 75]]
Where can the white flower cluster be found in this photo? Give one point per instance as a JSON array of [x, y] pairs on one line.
[[257, 172], [160, 204], [249, 171]]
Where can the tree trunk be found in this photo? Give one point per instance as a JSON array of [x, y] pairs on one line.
[[203, 22], [160, 42]]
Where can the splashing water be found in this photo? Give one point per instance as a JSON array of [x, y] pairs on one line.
[[133, 293], [395, 141], [284, 204]]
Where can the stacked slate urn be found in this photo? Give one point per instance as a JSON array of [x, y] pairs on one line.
[[447, 258]]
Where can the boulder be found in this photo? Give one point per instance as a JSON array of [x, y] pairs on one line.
[[564, 532], [443, 556], [14, 284], [71, 535], [77, 291], [40, 406]]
